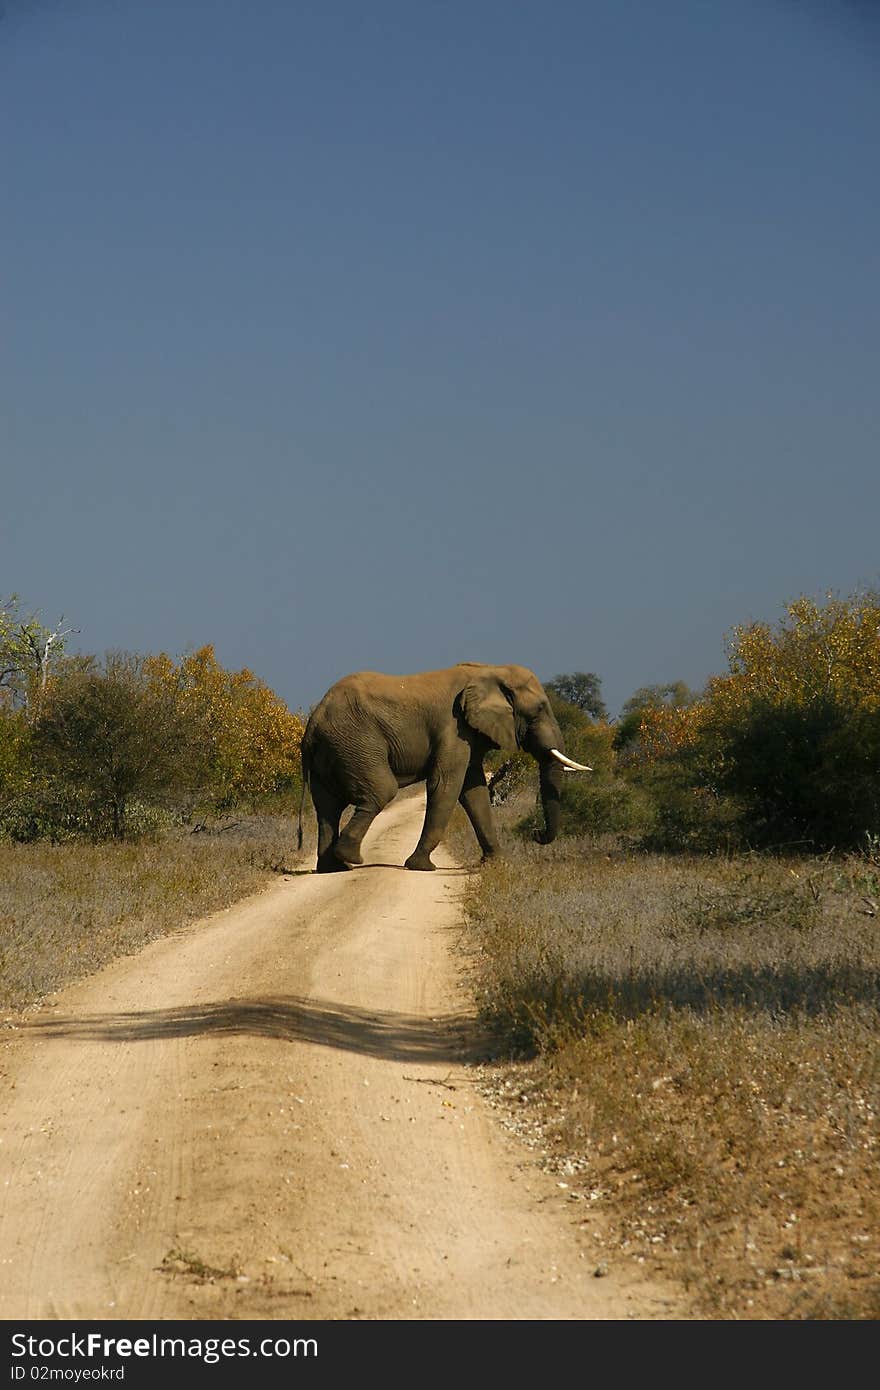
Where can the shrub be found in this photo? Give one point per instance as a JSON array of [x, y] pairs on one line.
[[14, 753], [243, 740], [114, 749], [794, 729], [107, 737], [607, 804], [783, 749], [47, 808]]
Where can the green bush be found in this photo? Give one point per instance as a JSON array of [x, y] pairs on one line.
[[110, 738], [592, 807], [808, 772], [793, 731], [685, 815], [46, 808], [14, 753]]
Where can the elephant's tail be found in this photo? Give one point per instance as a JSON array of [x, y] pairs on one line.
[[302, 797]]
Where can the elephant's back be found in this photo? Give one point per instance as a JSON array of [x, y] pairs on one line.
[[353, 702], [394, 713], [369, 685], [367, 689]]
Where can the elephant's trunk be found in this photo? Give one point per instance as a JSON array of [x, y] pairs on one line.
[[552, 774]]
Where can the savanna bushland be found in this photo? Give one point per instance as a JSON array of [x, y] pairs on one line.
[[682, 989]]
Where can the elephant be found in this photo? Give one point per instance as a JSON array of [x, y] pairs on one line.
[[372, 734]]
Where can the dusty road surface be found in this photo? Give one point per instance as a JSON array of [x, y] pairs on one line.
[[271, 1115]]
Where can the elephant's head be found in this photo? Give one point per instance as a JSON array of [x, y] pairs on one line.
[[507, 704]]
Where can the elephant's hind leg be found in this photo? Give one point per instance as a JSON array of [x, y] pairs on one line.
[[367, 808], [328, 809]]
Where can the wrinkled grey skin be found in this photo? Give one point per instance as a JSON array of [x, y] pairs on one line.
[[372, 734]]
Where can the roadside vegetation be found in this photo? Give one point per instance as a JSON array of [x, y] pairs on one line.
[[109, 748], [693, 1048], [686, 982]]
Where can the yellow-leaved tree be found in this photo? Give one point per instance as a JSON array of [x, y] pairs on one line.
[[244, 741], [793, 728]]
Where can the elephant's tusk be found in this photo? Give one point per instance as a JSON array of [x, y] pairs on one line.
[[567, 762]]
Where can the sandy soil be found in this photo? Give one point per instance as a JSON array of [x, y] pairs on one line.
[[272, 1115]]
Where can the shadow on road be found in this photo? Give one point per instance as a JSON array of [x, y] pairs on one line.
[[439, 871], [394, 1036]]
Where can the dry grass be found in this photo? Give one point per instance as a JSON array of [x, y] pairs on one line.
[[696, 1039], [68, 909], [697, 1044]]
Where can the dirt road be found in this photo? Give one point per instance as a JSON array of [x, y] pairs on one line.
[[270, 1115]]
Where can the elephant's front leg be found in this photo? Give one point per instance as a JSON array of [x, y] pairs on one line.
[[475, 800], [443, 786]]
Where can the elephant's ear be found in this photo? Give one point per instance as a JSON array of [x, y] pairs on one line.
[[487, 710]]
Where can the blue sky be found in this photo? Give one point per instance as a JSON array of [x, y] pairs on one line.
[[393, 335]]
